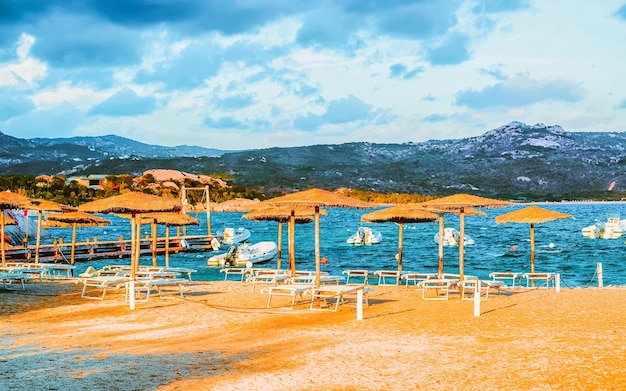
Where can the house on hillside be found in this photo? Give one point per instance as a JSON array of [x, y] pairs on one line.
[[92, 181]]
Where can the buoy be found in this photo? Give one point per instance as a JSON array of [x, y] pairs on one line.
[[324, 261], [513, 248], [551, 245]]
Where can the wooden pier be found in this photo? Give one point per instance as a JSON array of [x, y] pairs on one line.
[[59, 251]]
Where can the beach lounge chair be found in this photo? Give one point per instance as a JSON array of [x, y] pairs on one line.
[[441, 287], [321, 295], [416, 278], [147, 285], [531, 278], [388, 277], [10, 277], [506, 278], [96, 283], [359, 274], [268, 278], [471, 286], [290, 290]]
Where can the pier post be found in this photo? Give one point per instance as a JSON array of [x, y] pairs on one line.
[[557, 282], [600, 277], [359, 304]]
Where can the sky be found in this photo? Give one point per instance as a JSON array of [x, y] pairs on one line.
[[241, 74]]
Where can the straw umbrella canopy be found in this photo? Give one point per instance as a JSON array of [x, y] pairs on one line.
[[10, 200], [133, 203], [400, 215], [46, 206], [317, 198], [282, 215], [75, 218], [459, 203], [532, 215], [167, 218]]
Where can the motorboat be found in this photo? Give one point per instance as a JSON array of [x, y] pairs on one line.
[[452, 237], [233, 236], [365, 235], [611, 229], [239, 254]]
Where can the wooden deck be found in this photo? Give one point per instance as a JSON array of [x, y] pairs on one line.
[[60, 251]]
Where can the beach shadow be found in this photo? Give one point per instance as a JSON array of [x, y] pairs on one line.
[[30, 367]]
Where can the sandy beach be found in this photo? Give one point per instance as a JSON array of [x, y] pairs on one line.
[[222, 337]]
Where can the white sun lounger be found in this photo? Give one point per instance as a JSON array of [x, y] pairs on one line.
[[146, 285], [291, 290], [438, 285], [101, 282], [320, 295], [8, 278]]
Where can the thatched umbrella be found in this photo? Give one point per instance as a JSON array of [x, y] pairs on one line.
[[133, 203], [317, 198], [532, 215], [401, 215], [9, 200], [46, 206], [459, 203], [167, 218], [283, 215], [73, 219]]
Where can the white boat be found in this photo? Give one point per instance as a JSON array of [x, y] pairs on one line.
[[451, 237], [611, 229], [239, 254], [233, 236], [365, 235]]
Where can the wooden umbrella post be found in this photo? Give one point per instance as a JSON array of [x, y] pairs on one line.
[[167, 245], [440, 244], [38, 239], [317, 246], [73, 252], [292, 247], [154, 243], [400, 235], [2, 245], [280, 244], [532, 251], [461, 244]]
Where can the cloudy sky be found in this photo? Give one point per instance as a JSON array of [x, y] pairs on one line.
[[238, 74]]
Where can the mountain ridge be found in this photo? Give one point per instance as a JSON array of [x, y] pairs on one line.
[[515, 160]]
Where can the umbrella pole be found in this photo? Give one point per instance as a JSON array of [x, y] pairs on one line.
[[280, 244], [154, 244], [317, 246], [138, 247], [292, 247], [4, 260], [167, 245], [38, 240], [73, 252], [133, 244], [400, 234], [461, 244], [440, 245], [532, 250]]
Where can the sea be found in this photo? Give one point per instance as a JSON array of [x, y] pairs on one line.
[[560, 246]]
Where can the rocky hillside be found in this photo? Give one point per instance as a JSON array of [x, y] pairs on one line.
[[515, 161]]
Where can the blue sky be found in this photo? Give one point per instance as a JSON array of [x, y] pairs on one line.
[[241, 74]]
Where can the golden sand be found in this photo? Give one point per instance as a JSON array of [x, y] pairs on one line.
[[222, 337]]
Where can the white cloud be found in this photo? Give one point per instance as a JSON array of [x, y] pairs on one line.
[[300, 73]]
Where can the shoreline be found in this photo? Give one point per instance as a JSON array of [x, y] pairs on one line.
[[222, 337]]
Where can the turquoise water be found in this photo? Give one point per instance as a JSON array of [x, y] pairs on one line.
[[573, 256]]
